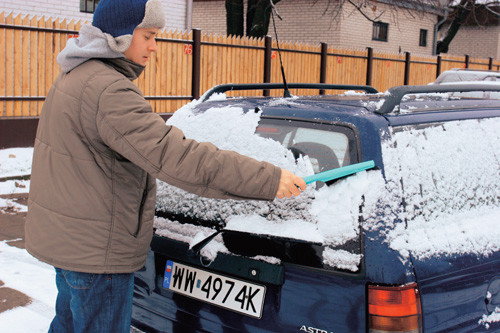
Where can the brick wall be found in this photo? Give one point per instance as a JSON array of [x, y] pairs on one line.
[[478, 42], [302, 20], [403, 30], [210, 16], [175, 10], [307, 21]]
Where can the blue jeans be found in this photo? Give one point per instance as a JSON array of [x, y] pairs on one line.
[[88, 302]]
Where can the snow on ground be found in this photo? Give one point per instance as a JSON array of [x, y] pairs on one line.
[[22, 272], [15, 162], [18, 269], [13, 187]]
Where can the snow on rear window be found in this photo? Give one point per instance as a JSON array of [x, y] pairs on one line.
[[329, 215], [448, 176]]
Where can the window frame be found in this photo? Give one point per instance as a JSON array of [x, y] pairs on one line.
[[422, 40], [378, 30], [84, 6]]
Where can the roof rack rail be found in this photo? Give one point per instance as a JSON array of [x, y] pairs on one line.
[[265, 86], [396, 94], [460, 69]]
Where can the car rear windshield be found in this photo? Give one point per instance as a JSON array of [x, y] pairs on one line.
[[326, 146], [295, 230]]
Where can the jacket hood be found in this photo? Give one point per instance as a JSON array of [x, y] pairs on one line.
[[91, 43]]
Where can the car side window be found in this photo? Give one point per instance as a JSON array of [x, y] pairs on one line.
[[440, 166]]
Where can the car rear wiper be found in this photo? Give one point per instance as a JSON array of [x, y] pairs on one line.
[[195, 249]]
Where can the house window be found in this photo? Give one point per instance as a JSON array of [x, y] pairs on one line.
[[423, 38], [380, 31], [88, 6]]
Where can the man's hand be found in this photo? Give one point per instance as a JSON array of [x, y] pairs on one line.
[[289, 185]]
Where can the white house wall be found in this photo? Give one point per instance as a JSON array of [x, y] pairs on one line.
[[313, 22], [481, 42], [403, 31], [175, 10]]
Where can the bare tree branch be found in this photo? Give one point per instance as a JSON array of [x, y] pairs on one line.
[[358, 7], [476, 12], [460, 15], [491, 10]]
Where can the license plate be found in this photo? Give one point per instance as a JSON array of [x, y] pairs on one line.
[[223, 291]]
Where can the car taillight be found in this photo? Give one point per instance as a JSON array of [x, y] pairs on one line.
[[394, 309]]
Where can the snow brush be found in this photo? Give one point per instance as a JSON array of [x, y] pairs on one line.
[[337, 173]]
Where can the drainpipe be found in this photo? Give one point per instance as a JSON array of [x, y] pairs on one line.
[[189, 15], [436, 27]]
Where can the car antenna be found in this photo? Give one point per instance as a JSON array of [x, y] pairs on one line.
[[286, 93]]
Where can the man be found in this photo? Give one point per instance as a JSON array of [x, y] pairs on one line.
[[98, 150]]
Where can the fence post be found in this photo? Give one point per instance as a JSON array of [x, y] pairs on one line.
[[438, 66], [195, 82], [324, 62], [267, 62], [466, 61], [407, 68], [369, 66], [490, 64]]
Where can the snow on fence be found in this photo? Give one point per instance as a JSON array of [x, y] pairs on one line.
[[187, 64]]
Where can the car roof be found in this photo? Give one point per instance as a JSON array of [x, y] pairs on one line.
[[326, 108], [401, 105], [461, 74]]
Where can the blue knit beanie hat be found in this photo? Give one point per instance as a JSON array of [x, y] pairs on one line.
[[117, 19]]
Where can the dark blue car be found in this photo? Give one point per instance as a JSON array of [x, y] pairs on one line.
[[410, 245]]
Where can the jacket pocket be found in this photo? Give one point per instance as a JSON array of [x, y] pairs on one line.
[[141, 207]]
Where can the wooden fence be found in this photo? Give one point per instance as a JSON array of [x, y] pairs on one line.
[[188, 64]]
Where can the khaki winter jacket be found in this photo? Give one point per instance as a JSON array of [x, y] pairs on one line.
[[98, 149]]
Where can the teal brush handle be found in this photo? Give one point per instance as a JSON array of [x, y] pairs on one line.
[[339, 172]]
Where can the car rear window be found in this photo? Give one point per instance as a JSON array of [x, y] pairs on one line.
[[320, 228], [326, 146]]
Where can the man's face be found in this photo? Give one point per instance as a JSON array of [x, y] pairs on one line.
[[143, 44]]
